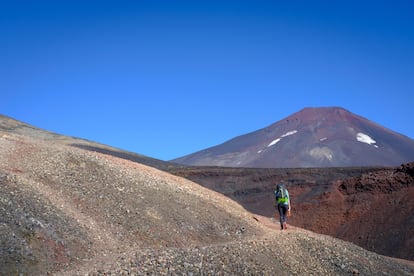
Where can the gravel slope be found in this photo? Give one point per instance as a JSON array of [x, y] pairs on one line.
[[68, 211], [292, 252]]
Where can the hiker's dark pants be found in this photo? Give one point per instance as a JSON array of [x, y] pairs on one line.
[[283, 209]]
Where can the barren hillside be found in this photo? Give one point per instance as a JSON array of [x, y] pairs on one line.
[[69, 211], [62, 205]]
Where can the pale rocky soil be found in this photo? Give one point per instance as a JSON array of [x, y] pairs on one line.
[[67, 211]]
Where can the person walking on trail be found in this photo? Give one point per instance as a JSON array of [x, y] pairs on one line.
[[282, 204]]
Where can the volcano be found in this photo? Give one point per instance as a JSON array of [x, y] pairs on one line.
[[312, 137]]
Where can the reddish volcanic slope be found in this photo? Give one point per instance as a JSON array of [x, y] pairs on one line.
[[369, 206], [312, 137]]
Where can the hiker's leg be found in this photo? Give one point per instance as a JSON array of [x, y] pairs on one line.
[[285, 211], [281, 218]]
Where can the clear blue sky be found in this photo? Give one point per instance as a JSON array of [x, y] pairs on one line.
[[168, 78]]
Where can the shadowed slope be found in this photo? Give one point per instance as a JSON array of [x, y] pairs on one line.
[[11, 125]]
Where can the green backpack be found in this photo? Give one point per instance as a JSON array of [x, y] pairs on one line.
[[281, 194]]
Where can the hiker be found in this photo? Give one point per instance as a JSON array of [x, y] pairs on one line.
[[282, 204]]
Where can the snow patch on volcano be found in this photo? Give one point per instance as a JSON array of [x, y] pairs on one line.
[[289, 133], [281, 136], [364, 138], [274, 142]]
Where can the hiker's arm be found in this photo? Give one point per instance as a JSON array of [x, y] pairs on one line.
[[289, 203]]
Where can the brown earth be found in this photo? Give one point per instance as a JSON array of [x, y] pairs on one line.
[[65, 210], [371, 207]]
